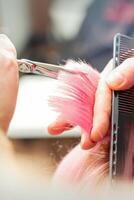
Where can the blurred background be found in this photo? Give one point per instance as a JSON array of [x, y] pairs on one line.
[[55, 30], [41, 29]]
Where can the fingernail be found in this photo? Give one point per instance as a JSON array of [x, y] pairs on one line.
[[96, 136], [55, 130], [86, 143], [115, 79]]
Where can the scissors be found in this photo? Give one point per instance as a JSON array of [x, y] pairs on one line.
[[33, 67]]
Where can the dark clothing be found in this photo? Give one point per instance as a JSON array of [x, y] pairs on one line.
[[105, 18]]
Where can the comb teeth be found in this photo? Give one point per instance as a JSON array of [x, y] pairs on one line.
[[122, 139], [126, 101], [126, 48], [126, 98], [126, 54]]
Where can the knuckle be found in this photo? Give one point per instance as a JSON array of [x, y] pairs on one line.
[[107, 112], [7, 45], [10, 63], [13, 50], [3, 36], [129, 61]]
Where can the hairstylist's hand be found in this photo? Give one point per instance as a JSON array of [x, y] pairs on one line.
[[8, 81], [121, 78], [102, 112]]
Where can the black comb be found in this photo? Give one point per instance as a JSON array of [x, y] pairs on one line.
[[122, 126]]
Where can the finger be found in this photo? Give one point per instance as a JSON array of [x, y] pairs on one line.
[[86, 143], [8, 81], [122, 77], [6, 44], [102, 111], [59, 126], [102, 107]]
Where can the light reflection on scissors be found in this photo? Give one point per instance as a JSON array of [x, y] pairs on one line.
[[50, 70]]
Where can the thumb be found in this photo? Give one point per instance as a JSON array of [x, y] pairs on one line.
[[7, 45], [8, 81], [122, 77]]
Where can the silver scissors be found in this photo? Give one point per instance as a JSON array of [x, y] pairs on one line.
[[50, 70]]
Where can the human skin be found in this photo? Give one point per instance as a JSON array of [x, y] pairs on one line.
[[120, 78], [8, 95], [8, 81], [22, 160]]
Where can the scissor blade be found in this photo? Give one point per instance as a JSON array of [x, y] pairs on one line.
[[46, 69]]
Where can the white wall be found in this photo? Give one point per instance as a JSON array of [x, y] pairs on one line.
[[15, 20], [67, 16]]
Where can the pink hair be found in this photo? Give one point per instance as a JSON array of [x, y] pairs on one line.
[[75, 95], [84, 168], [75, 101]]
